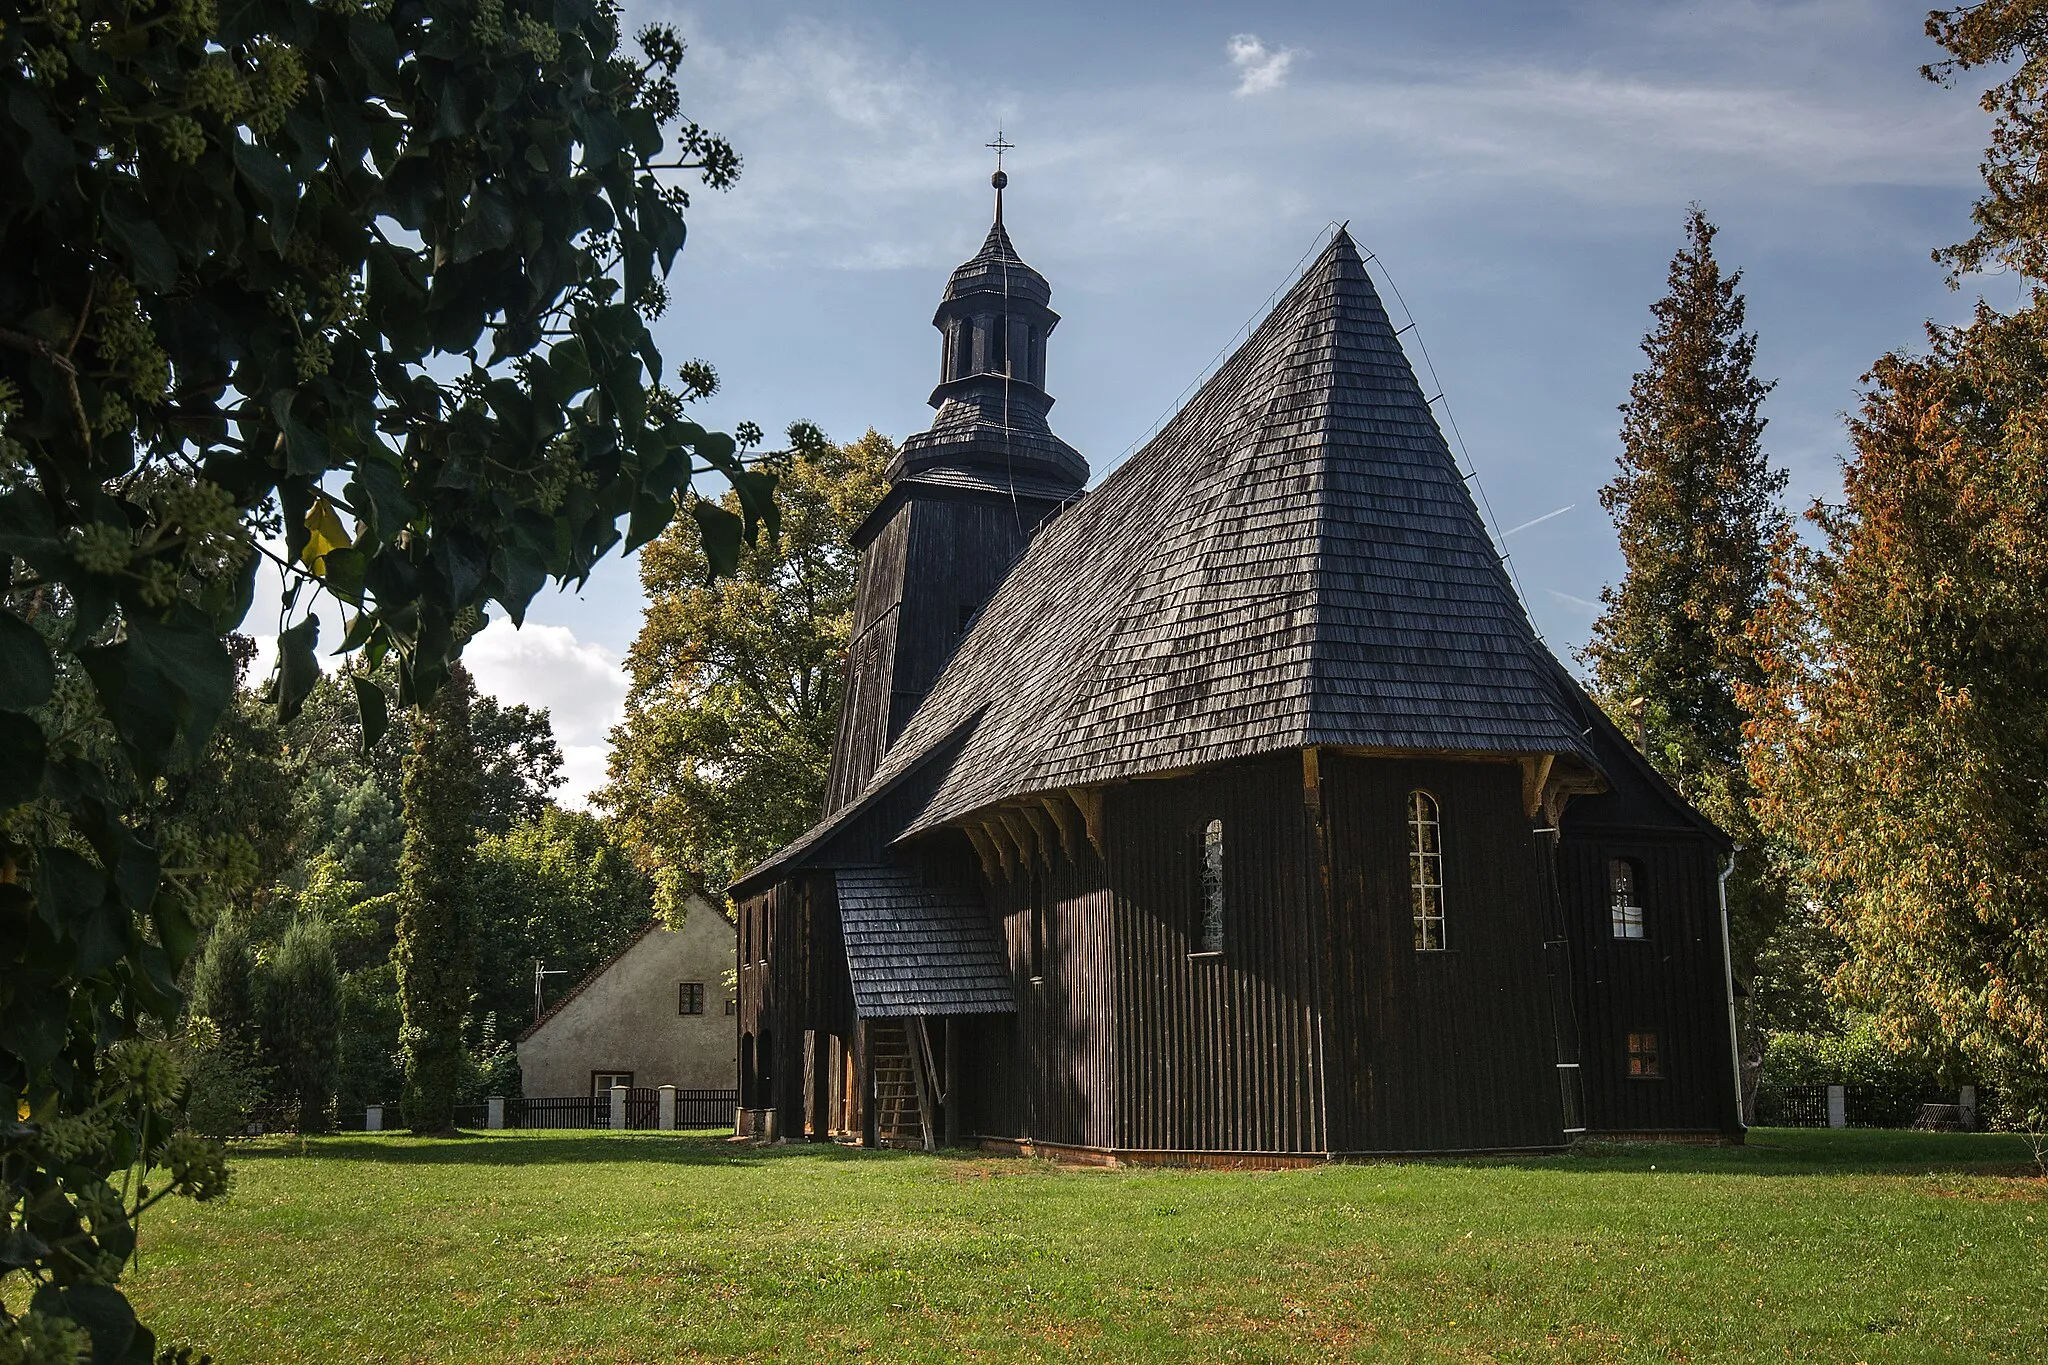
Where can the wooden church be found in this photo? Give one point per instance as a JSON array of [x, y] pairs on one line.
[[1229, 812]]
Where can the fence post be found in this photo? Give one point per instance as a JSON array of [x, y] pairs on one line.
[[1966, 1108], [618, 1108], [494, 1111], [667, 1109], [373, 1119], [1838, 1106]]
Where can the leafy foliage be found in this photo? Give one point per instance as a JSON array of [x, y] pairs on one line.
[[723, 754], [1902, 736], [435, 906], [2012, 214], [559, 888], [369, 277], [1697, 506]]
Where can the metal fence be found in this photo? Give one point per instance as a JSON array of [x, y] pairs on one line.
[[568, 1111], [1863, 1106]]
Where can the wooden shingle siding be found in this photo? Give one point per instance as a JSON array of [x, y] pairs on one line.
[[1441, 1050], [916, 949]]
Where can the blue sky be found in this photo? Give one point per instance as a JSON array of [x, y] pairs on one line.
[[1522, 169]]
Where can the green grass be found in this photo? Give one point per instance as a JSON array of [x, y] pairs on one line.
[[1835, 1246]]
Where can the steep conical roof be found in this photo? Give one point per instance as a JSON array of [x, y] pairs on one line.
[[1294, 560]]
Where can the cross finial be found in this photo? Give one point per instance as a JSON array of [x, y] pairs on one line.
[[999, 146]]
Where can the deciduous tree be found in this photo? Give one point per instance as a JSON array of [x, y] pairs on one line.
[[723, 754], [1901, 740], [370, 280]]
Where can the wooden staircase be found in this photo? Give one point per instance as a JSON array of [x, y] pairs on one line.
[[903, 1108]]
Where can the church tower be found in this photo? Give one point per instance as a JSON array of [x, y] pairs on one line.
[[964, 500]]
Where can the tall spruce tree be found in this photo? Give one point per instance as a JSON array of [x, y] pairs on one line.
[[435, 912], [1698, 509]]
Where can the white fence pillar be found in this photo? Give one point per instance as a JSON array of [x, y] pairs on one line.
[[1838, 1106], [373, 1119], [667, 1112], [494, 1111], [1966, 1108], [618, 1107]]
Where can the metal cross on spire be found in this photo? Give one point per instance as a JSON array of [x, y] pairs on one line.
[[1000, 178]]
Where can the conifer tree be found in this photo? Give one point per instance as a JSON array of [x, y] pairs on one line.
[[298, 999], [1697, 506], [434, 909]]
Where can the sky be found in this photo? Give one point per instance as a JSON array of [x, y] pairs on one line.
[[1519, 169]]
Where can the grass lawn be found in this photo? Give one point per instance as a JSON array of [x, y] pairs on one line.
[[1836, 1246]]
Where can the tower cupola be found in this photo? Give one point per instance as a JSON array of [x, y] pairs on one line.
[[994, 321]]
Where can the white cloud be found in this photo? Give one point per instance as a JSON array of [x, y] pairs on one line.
[[1259, 68], [583, 687]]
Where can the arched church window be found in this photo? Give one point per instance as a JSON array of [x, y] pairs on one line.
[[1624, 901], [999, 346], [1210, 939], [1426, 871]]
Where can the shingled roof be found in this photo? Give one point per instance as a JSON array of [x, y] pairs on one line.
[[913, 949], [1294, 560]]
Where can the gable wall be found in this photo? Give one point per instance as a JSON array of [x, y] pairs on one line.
[[626, 1019]]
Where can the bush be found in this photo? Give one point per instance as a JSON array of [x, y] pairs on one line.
[[1887, 1086]]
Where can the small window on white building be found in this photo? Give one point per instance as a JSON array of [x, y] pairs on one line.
[[601, 1082], [1426, 871], [689, 997]]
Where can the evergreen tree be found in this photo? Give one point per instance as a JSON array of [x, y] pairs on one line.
[[298, 1000], [1697, 506], [223, 988], [727, 740], [435, 905]]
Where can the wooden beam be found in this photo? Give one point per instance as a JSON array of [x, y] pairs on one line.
[[1088, 800], [1066, 818], [1535, 774], [1041, 826], [984, 849], [1027, 840], [999, 834]]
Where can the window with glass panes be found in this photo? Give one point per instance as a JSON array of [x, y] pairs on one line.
[[1426, 871]]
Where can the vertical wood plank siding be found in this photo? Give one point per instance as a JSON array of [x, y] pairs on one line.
[[1216, 1053], [796, 980], [1445, 1050], [935, 561], [1669, 982]]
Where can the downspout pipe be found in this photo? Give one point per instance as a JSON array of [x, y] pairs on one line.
[[1728, 980]]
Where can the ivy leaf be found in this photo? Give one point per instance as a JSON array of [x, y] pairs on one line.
[[21, 777], [723, 533], [371, 710], [298, 667], [27, 674]]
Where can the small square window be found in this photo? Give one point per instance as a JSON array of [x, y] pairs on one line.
[[1642, 1057], [601, 1082], [689, 997], [732, 1005]]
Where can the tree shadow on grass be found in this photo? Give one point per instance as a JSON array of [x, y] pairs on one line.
[[1803, 1152], [1768, 1152], [530, 1148]]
